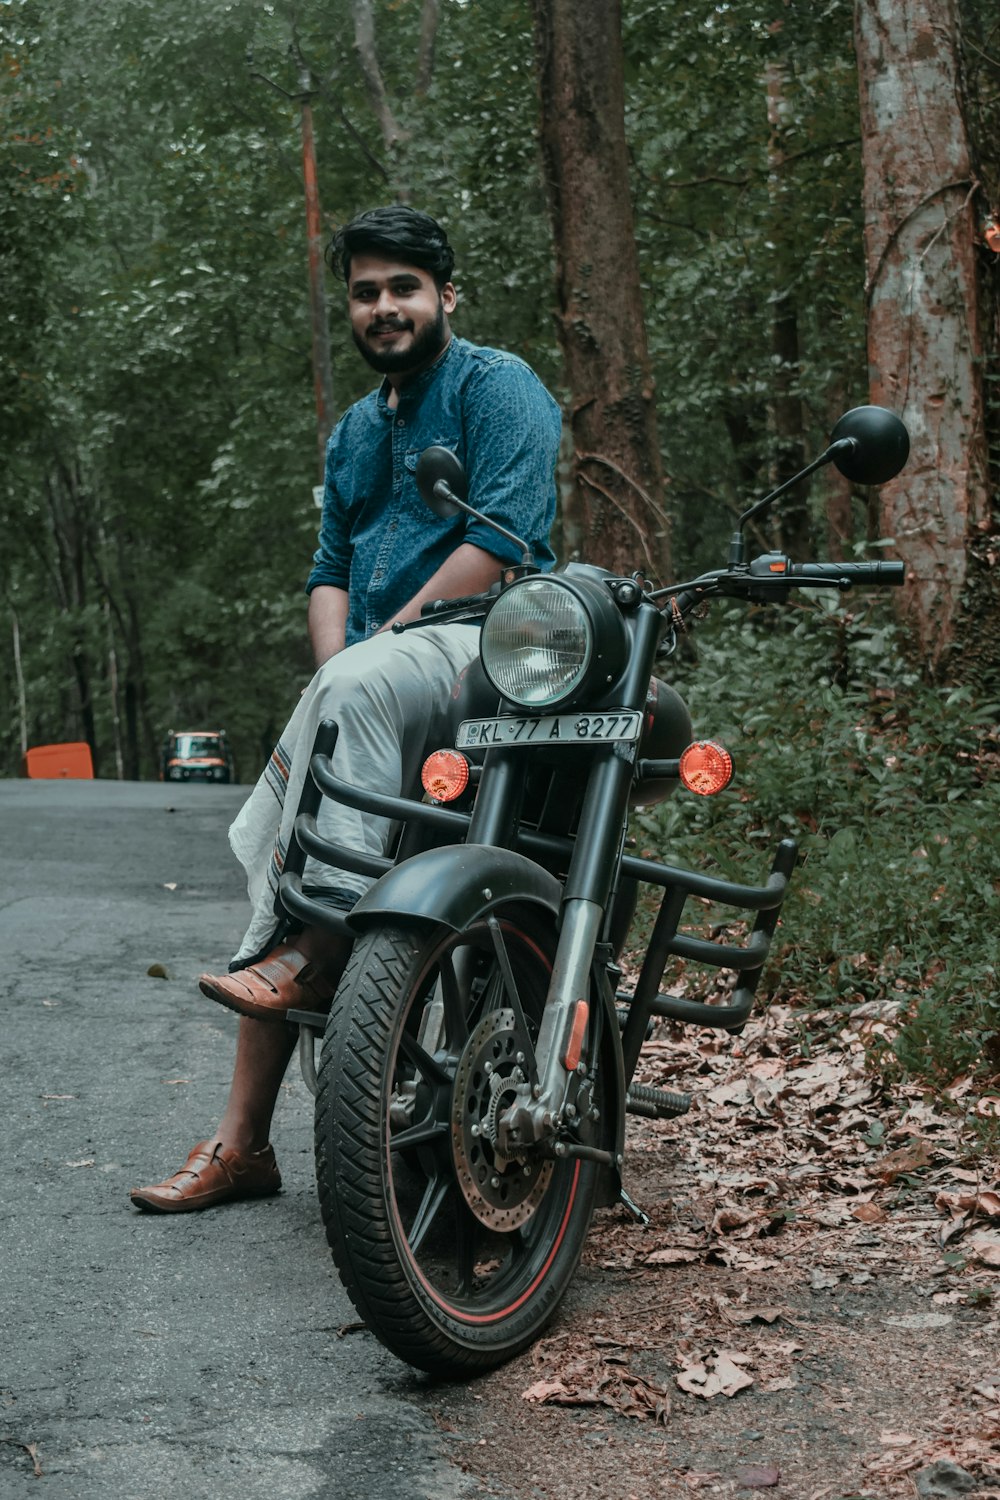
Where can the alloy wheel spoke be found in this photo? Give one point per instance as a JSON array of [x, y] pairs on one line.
[[435, 1193], [428, 1129], [465, 1246], [431, 1070]]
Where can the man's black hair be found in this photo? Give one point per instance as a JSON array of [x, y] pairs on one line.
[[395, 233]]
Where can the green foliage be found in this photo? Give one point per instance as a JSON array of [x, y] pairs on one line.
[[157, 421], [893, 791], [156, 382], [736, 210]]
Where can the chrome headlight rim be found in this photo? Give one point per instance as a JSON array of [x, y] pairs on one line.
[[601, 656]]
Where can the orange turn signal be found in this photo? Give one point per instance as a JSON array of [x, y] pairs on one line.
[[445, 775], [706, 768]]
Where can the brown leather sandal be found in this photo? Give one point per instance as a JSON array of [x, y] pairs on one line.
[[283, 981], [213, 1173]]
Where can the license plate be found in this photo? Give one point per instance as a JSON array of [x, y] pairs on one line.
[[554, 729]]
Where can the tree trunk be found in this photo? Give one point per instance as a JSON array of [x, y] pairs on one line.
[[367, 52], [322, 367], [22, 702], [923, 336], [70, 529], [429, 17], [786, 406], [616, 517]]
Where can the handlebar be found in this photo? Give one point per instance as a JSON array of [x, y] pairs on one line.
[[886, 573], [768, 577]]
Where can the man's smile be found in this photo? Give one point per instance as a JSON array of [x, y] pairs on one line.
[[389, 330]]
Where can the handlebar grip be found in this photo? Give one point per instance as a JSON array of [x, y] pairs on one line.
[[440, 606], [884, 573]]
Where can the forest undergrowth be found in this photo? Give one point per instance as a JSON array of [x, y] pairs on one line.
[[892, 789]]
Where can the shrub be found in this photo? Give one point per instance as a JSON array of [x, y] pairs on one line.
[[892, 789]]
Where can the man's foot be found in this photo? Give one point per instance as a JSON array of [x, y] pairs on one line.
[[285, 980], [212, 1174]]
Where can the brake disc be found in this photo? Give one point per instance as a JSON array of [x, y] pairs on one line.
[[502, 1191]]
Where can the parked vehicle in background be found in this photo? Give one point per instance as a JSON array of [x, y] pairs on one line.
[[196, 755]]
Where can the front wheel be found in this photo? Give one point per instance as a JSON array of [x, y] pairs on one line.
[[454, 1254]]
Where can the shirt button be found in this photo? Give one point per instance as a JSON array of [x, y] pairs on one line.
[[400, 422]]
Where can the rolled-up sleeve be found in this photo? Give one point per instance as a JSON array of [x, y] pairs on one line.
[[513, 429], [332, 558]]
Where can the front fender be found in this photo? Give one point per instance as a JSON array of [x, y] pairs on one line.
[[459, 884], [456, 885]]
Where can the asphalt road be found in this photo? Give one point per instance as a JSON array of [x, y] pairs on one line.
[[142, 1355]]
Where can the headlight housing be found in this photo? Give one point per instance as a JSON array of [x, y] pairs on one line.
[[551, 640]]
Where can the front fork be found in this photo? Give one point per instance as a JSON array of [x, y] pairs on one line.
[[544, 1108], [557, 1092]]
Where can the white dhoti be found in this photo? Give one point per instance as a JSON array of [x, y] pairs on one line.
[[389, 696]]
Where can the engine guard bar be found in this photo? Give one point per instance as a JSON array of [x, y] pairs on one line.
[[402, 809], [309, 842], [666, 942]]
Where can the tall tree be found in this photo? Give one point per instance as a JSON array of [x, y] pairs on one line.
[[615, 514], [924, 348]]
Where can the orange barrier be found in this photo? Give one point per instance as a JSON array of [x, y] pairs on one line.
[[52, 762]]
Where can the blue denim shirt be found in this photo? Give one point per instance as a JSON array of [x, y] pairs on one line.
[[377, 538]]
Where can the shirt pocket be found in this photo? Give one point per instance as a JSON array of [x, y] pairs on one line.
[[411, 459]]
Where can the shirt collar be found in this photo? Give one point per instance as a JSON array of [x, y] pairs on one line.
[[416, 387]]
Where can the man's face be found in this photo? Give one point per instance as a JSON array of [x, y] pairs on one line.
[[398, 316]]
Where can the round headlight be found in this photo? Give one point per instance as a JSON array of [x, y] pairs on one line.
[[548, 640]]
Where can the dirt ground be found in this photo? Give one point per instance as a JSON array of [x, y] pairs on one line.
[[812, 1312]]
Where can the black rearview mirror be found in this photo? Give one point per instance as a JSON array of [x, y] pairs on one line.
[[880, 445], [433, 466]]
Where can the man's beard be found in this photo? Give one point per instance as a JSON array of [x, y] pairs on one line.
[[424, 347]]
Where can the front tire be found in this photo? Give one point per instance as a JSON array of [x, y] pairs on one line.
[[455, 1256]]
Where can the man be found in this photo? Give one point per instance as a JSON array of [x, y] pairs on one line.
[[382, 554]]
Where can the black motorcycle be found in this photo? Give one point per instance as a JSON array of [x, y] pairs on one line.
[[478, 1060]]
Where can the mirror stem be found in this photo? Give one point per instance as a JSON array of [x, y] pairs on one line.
[[826, 457], [443, 491]]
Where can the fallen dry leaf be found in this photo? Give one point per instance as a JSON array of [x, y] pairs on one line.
[[987, 1204], [597, 1375], [726, 1219], [671, 1255], [733, 1313], [718, 1375], [906, 1159], [985, 1248]]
